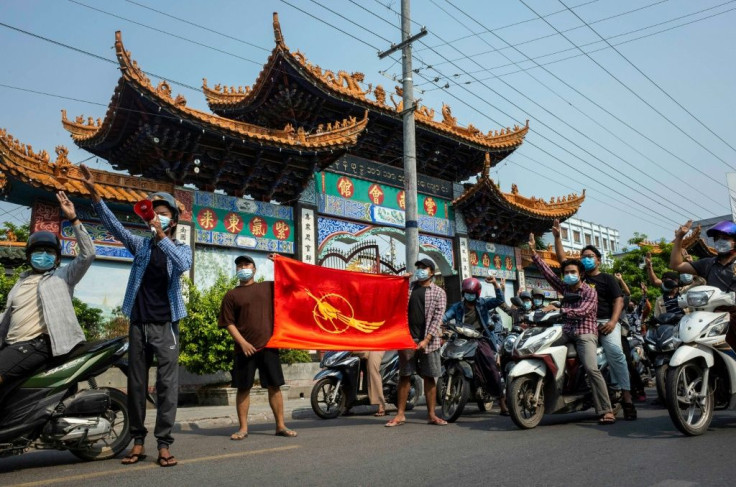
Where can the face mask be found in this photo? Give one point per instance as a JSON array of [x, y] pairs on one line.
[[469, 297], [686, 278], [421, 274], [537, 302], [588, 263], [245, 274], [165, 221], [42, 261], [570, 279], [723, 246], [527, 305]]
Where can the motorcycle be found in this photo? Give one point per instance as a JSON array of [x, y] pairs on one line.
[[702, 371], [639, 355], [339, 386], [547, 377], [660, 347], [508, 339], [47, 411], [459, 383]]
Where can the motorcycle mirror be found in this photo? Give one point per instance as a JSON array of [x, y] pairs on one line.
[[516, 301]]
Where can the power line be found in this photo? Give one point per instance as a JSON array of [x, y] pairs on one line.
[[625, 86], [592, 119]]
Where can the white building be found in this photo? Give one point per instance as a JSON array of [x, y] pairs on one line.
[[576, 234]]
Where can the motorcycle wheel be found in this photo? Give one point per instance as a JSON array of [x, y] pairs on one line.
[[118, 438], [321, 392], [521, 392], [661, 382], [690, 415], [453, 401], [411, 401]]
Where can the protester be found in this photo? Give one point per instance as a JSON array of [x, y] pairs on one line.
[[717, 271], [537, 298], [427, 303], [247, 313], [637, 383], [374, 381], [154, 304], [39, 320], [610, 306], [580, 325], [474, 311]]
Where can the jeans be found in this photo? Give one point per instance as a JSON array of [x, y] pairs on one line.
[[611, 344]]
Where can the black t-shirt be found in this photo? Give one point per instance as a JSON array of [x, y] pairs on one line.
[[608, 290], [151, 304], [417, 320], [716, 274]]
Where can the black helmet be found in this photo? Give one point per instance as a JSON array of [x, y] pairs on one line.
[[168, 200], [43, 239], [538, 291], [525, 295]]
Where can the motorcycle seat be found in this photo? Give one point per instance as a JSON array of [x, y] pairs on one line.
[[572, 352]]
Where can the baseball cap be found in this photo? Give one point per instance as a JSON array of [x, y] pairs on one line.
[[426, 262], [244, 258]]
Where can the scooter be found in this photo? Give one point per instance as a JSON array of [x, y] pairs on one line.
[[548, 378], [702, 371], [660, 347], [339, 386], [47, 411], [639, 355]]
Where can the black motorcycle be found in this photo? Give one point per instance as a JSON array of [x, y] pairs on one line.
[[47, 411], [342, 383], [660, 347]]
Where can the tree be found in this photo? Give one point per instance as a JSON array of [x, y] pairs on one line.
[[632, 269], [17, 233], [90, 319]]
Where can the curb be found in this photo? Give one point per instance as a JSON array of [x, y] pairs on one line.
[[232, 419]]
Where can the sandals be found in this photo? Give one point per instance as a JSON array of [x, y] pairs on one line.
[[629, 411], [437, 422], [286, 432], [167, 461], [380, 413], [394, 423], [240, 435], [133, 458], [604, 420]]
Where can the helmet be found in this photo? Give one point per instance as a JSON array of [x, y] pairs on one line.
[[472, 285], [43, 239], [525, 295], [168, 200], [537, 291], [727, 227]]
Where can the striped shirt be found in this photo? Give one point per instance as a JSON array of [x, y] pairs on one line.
[[580, 316], [435, 302]]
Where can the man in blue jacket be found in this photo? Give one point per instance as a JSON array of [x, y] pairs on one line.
[[154, 304], [474, 311]]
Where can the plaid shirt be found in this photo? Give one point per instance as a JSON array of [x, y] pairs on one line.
[[178, 261], [580, 317], [56, 289], [435, 302]]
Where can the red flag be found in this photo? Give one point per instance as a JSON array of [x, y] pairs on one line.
[[327, 309]]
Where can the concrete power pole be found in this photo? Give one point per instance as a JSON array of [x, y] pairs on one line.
[[410, 150]]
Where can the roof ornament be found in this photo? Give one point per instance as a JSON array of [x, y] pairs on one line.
[[278, 36], [380, 95], [447, 117]]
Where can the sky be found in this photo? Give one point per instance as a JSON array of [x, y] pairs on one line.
[[632, 101]]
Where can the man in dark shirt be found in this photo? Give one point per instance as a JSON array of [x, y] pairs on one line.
[[717, 271], [247, 313]]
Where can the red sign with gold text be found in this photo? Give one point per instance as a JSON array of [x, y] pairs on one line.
[[327, 309]]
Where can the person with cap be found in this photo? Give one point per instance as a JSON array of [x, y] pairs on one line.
[[154, 304], [39, 320], [247, 314], [427, 303], [519, 313], [537, 298], [717, 271], [610, 307], [474, 311]]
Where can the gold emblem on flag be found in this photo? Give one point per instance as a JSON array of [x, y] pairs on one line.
[[334, 314]]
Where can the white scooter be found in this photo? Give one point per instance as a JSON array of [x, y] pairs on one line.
[[702, 371]]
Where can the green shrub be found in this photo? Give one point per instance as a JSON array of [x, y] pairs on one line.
[[294, 357]]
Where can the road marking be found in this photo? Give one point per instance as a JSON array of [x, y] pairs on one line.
[[129, 469]]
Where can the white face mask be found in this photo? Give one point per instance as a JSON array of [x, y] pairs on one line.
[[723, 246]]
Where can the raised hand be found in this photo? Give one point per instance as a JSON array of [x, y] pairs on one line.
[[67, 207], [556, 228], [648, 259], [89, 182], [618, 276], [683, 229], [643, 288]]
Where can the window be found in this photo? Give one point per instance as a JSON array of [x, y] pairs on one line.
[[564, 234], [605, 244], [597, 241], [587, 239], [576, 236], [613, 245]]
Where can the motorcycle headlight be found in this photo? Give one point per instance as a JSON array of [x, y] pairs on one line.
[[718, 329], [530, 341], [651, 347], [668, 344], [330, 359], [698, 299], [508, 344]]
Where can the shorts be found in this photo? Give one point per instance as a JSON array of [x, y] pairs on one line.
[[268, 365], [425, 364], [22, 359]]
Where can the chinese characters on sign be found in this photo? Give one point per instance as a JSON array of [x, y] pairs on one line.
[[307, 245], [207, 219], [345, 187], [487, 258], [375, 193]]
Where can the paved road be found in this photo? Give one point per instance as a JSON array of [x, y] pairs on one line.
[[358, 450]]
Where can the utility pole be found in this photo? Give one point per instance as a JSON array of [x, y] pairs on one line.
[[410, 150]]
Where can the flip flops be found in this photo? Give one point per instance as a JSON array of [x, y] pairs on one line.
[[604, 420], [167, 461], [286, 433], [240, 435], [380, 413], [394, 423], [437, 422], [133, 458]]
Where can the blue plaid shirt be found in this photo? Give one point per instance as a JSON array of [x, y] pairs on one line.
[[178, 261]]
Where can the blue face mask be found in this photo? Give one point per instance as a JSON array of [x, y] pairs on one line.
[[527, 305], [538, 302], [245, 274], [421, 274], [588, 263], [686, 278], [165, 222], [42, 261], [570, 279], [469, 297]]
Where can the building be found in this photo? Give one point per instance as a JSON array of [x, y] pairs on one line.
[[576, 234], [707, 223]]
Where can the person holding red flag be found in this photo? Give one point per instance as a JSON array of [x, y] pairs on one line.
[[247, 314], [427, 303]]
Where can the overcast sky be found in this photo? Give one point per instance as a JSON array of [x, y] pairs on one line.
[[610, 116]]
